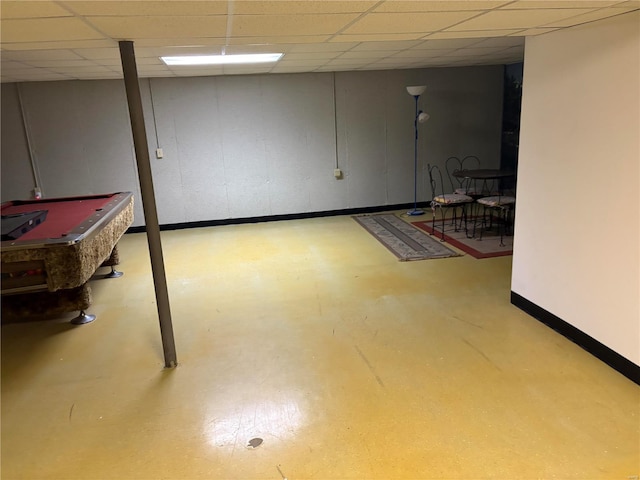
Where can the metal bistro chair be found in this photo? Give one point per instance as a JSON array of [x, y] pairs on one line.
[[465, 185], [504, 205], [446, 201], [461, 185]]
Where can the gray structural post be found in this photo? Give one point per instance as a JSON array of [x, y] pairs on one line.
[[134, 101]]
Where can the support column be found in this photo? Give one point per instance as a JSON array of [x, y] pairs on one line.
[[134, 101]]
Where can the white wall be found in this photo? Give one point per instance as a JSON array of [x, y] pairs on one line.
[[577, 242], [259, 145]]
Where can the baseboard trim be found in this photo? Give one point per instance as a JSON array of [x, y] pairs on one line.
[[577, 336], [275, 218]]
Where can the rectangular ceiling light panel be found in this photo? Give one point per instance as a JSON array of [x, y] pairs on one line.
[[222, 59]]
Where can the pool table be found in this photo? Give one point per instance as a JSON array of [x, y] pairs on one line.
[[51, 248]]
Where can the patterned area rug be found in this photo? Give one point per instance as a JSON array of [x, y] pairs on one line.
[[404, 240], [488, 247]]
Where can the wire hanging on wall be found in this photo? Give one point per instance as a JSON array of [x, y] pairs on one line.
[[153, 115]]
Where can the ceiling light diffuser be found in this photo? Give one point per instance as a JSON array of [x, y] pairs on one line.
[[222, 59]]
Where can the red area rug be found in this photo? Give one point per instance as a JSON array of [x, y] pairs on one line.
[[488, 247]]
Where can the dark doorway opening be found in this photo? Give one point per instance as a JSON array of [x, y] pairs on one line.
[[511, 116]]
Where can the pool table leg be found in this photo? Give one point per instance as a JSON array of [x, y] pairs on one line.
[[114, 259], [113, 273], [47, 304], [83, 318]]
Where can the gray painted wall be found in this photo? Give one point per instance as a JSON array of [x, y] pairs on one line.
[[246, 146], [16, 169]]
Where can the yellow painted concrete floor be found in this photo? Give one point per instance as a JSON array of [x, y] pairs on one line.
[[311, 336]]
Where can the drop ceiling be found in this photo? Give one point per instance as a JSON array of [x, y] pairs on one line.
[[67, 40]]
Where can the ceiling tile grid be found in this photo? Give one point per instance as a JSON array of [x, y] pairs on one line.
[[48, 40]]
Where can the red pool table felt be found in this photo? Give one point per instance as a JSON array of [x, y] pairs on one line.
[[63, 214]]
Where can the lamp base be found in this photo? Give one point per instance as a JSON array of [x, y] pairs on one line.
[[415, 212]]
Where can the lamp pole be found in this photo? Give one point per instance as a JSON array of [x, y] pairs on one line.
[[419, 116]]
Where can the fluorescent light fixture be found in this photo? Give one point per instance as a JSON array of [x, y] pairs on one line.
[[222, 59]]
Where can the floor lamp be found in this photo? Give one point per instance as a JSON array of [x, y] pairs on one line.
[[420, 117]]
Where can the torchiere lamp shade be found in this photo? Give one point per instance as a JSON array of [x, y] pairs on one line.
[[416, 89]]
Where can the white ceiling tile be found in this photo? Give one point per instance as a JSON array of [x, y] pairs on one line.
[[150, 52], [41, 55], [197, 73], [18, 70], [307, 7], [435, 6], [301, 63], [381, 46], [532, 32], [447, 43], [237, 70], [407, 22], [113, 62], [81, 69], [156, 74], [132, 28], [58, 63], [151, 70], [431, 63], [500, 42], [376, 37], [323, 47], [474, 34], [46, 30], [311, 56], [483, 51], [459, 58], [96, 75], [629, 3], [146, 8], [98, 53], [390, 61], [32, 9], [588, 17], [155, 68], [292, 39], [335, 68], [260, 48], [349, 61], [414, 60], [510, 19], [510, 50], [289, 69], [434, 52], [365, 54], [147, 61], [546, 4], [178, 42], [54, 45], [274, 25], [39, 76], [6, 63], [463, 52]]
